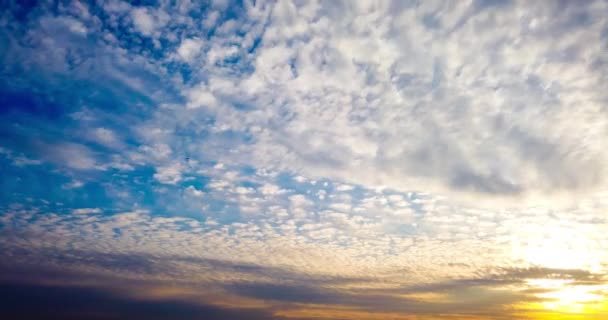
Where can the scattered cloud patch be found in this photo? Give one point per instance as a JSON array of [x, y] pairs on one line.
[[189, 49]]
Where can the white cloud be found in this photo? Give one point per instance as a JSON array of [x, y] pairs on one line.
[[147, 21], [86, 211], [169, 174], [450, 241], [158, 152], [270, 189], [74, 26], [195, 192], [201, 97], [18, 160], [189, 49], [73, 185], [400, 103], [344, 187], [143, 21], [218, 54], [106, 137], [71, 155]]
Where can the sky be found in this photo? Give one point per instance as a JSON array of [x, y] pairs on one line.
[[304, 160]]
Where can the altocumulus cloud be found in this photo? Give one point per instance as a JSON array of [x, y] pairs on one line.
[[305, 159]]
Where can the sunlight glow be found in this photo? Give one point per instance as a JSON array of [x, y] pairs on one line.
[[575, 299], [560, 247], [562, 296]]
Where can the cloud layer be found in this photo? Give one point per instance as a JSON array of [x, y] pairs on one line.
[[307, 159]]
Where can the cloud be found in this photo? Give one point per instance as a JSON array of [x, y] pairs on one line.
[[18, 160], [361, 258], [189, 49], [314, 160], [143, 21], [194, 191], [396, 102], [106, 137], [170, 174], [71, 155], [451, 143], [73, 25], [86, 211]]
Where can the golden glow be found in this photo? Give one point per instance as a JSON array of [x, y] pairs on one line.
[[314, 311], [564, 297], [324, 312], [565, 247], [428, 297], [576, 299]]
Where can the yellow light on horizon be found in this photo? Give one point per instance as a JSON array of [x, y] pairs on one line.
[[564, 296], [576, 299]]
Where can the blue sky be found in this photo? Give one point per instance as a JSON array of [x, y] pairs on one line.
[[307, 159]]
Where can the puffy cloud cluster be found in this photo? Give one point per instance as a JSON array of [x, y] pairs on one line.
[[485, 98], [346, 253], [437, 96], [317, 158]]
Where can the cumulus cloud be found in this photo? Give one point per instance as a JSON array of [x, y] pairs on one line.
[[143, 21], [346, 259], [414, 110], [70, 155], [71, 24], [408, 101], [189, 49], [18, 160], [106, 137], [170, 174], [86, 210]]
